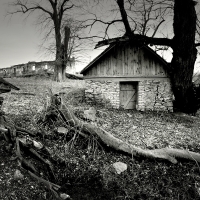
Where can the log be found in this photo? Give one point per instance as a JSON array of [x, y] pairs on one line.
[[51, 186], [169, 154]]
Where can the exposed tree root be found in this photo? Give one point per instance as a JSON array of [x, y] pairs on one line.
[[169, 154], [23, 142]]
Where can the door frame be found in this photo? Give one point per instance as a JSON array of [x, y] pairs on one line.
[[135, 83]]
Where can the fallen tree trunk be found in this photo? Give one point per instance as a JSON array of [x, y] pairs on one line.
[[169, 154]]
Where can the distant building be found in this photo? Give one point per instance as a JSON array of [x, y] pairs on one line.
[[35, 68]]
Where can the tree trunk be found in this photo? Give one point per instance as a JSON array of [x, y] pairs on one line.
[[58, 72], [58, 63], [61, 55], [58, 75], [184, 54]]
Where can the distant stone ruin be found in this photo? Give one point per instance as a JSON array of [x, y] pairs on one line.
[[33, 67]]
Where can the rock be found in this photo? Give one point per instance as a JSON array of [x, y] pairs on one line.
[[134, 127], [129, 115], [90, 114], [37, 145], [62, 130], [18, 175], [120, 167], [89, 91], [64, 196]]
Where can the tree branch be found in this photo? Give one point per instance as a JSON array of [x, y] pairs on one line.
[[25, 9], [63, 9], [156, 29], [140, 39], [124, 17], [100, 21]]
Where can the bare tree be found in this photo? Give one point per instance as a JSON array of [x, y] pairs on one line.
[[50, 15], [77, 47]]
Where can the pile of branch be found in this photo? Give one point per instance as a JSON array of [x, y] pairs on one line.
[[23, 142]]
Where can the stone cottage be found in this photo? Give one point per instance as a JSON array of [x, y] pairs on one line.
[[130, 77]]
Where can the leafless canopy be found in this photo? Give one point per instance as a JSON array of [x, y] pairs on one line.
[[51, 17]]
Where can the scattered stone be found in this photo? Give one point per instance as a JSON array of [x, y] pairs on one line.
[[129, 115], [120, 167], [134, 127], [90, 114], [18, 175], [62, 130], [37, 145], [64, 196]]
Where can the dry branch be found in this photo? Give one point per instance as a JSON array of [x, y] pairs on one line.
[[169, 154], [51, 186], [21, 140]]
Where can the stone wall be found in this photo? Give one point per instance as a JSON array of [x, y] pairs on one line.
[[152, 95], [103, 92], [155, 95]]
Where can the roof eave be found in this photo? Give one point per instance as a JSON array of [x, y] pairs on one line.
[[97, 58]]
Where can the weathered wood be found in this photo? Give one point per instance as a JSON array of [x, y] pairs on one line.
[[128, 95], [118, 78], [127, 60]]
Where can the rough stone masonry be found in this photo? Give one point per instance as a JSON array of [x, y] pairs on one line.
[[152, 95]]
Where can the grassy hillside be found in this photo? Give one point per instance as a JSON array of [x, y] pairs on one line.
[[89, 173]]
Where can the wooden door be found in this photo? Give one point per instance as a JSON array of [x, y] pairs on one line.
[[128, 95]]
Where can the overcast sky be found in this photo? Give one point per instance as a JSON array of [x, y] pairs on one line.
[[20, 40]]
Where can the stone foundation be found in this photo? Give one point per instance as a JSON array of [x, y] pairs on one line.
[[103, 92], [155, 95], [151, 95]]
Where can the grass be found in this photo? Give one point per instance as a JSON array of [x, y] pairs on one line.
[[89, 173]]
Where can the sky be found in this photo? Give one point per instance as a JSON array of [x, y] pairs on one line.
[[20, 40]]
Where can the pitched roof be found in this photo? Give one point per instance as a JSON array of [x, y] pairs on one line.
[[111, 47], [97, 58]]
